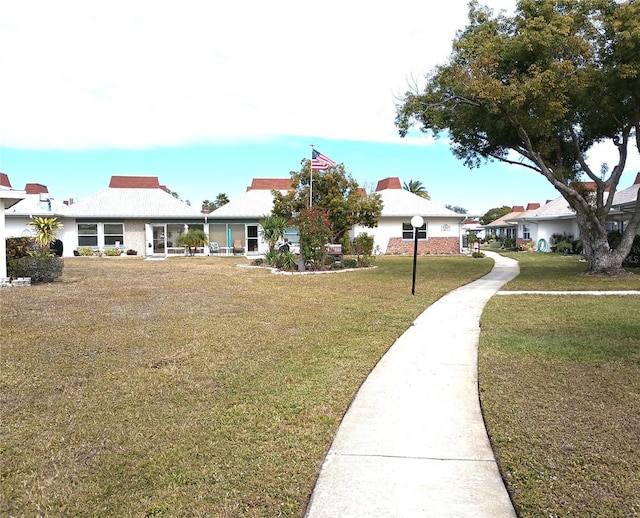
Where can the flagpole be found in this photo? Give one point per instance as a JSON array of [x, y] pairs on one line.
[[311, 178]]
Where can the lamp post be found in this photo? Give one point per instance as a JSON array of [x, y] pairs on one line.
[[416, 223]]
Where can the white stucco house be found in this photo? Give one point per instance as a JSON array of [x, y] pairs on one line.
[[440, 234], [138, 213], [539, 223]]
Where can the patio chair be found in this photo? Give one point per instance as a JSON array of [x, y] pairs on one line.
[[237, 247], [214, 248]]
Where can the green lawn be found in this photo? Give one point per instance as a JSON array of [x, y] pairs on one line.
[[560, 390], [191, 387]]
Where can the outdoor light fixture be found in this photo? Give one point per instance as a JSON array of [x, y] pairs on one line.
[[416, 223]]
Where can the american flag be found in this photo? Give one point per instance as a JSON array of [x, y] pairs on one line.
[[320, 162]]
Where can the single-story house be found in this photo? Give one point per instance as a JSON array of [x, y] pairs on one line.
[[138, 213], [440, 233], [133, 213], [540, 223], [239, 220]]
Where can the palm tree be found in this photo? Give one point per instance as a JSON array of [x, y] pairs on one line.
[[416, 187], [221, 199], [273, 228], [46, 230], [192, 239]]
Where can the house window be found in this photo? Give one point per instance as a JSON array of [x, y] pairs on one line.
[[88, 234], [113, 233], [526, 232], [407, 232]]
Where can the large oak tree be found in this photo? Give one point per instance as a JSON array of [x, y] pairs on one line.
[[540, 88]]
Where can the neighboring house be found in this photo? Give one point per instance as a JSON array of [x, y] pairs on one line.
[[134, 212], [440, 233], [9, 197], [37, 202], [556, 217], [239, 220], [624, 204], [503, 227]]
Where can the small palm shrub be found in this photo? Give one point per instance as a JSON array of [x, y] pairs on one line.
[[113, 252], [85, 251]]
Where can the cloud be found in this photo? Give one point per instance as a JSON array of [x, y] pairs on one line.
[[137, 74]]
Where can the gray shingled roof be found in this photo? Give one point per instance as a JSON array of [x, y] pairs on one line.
[[131, 203], [400, 202], [253, 204]]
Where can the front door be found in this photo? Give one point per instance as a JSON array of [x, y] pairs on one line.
[[252, 238], [159, 239]]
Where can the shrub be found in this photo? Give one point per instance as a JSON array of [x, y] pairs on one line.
[[350, 263], [477, 255], [40, 269], [564, 247], [113, 252], [85, 251], [18, 247], [258, 262], [287, 261], [363, 248]]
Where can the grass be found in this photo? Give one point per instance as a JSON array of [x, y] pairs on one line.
[[543, 271], [560, 390], [191, 387]]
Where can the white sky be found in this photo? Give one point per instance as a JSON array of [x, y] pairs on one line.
[[135, 74]]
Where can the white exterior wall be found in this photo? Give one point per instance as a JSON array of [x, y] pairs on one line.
[[392, 227], [545, 229]]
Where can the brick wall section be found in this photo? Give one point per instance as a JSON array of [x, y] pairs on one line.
[[434, 245]]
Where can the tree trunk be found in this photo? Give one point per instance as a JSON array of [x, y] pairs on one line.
[[601, 260]]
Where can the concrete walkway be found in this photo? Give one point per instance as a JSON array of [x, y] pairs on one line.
[[413, 442]]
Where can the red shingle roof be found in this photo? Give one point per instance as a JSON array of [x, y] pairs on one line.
[[270, 184], [4, 181], [517, 208], [134, 182], [35, 188], [533, 206], [392, 182]]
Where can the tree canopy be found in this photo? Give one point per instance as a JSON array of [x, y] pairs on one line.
[[539, 89], [416, 187], [336, 193], [494, 213]]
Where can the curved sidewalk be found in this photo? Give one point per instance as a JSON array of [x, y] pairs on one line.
[[413, 442]]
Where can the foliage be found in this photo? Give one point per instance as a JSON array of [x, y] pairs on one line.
[[112, 252], [20, 247], [40, 269], [336, 193], [221, 199], [349, 262], [273, 229], [416, 187], [546, 85], [363, 248], [46, 231], [192, 239], [556, 239], [457, 209], [86, 251], [493, 214], [477, 255], [287, 261], [315, 234]]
